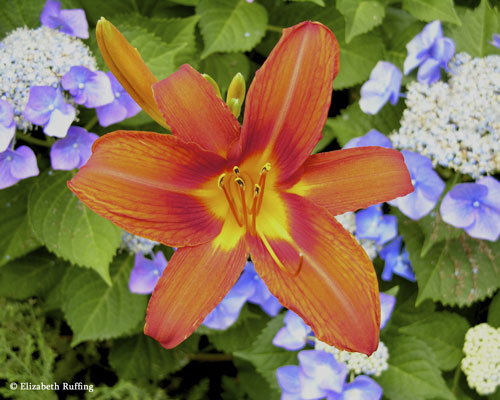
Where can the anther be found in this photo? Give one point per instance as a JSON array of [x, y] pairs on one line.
[[219, 181], [262, 183], [236, 171]]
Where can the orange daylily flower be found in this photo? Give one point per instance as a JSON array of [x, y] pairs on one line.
[[220, 192]]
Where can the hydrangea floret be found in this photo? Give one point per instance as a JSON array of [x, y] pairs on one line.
[[16, 165], [373, 224], [89, 88], [293, 336], [74, 150], [397, 261], [72, 22], [146, 273], [7, 125]]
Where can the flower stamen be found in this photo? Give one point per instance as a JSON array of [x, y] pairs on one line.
[[241, 186], [228, 198], [278, 261], [255, 200], [262, 183]]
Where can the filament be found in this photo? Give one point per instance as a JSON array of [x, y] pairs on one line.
[[229, 199], [278, 261], [241, 185]]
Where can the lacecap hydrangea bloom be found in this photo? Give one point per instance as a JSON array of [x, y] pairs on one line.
[[72, 22]]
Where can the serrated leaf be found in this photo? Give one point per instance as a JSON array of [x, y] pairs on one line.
[[361, 16], [444, 332], [265, 356], [413, 373], [406, 313], [436, 230], [223, 67], [231, 25], [95, 9], [494, 311], [253, 382], [140, 357], [457, 271], [431, 10], [96, 311], [16, 236], [317, 2], [476, 32], [68, 228], [15, 13], [32, 275]]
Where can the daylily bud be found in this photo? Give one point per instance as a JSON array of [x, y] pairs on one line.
[[236, 94], [213, 83], [235, 106]]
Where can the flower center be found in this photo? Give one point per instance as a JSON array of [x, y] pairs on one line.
[[475, 204]]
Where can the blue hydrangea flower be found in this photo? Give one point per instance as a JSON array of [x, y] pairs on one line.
[[74, 150], [122, 106], [361, 388], [46, 107], [228, 310], [495, 40], [7, 125], [384, 85], [288, 379], [372, 138], [72, 22], [397, 261], [16, 165], [474, 207], [429, 51], [89, 88], [293, 336], [427, 183], [387, 303], [146, 273], [373, 224], [261, 295]]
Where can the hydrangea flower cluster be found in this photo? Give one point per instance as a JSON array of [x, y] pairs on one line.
[[481, 364], [137, 244], [348, 221], [456, 124]]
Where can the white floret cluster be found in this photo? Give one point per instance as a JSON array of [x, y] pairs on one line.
[[481, 364], [37, 57], [137, 244], [359, 363], [456, 124], [348, 221]]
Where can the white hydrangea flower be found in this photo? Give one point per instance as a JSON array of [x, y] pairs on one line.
[[481, 364], [359, 363], [137, 244], [37, 57], [348, 221], [456, 124]]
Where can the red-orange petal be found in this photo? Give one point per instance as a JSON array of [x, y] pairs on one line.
[[336, 290], [350, 179], [149, 184], [288, 101], [191, 107], [194, 282]]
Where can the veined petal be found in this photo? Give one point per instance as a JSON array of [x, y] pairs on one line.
[[336, 290], [349, 179], [151, 185], [194, 282], [191, 107], [288, 101], [128, 67]]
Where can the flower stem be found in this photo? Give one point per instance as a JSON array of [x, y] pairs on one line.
[[32, 140], [456, 378], [210, 357], [89, 125], [274, 28]]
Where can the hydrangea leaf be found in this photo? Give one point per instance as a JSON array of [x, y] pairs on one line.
[[436, 230], [477, 28], [265, 356], [407, 313], [97, 311], [231, 25], [253, 383], [444, 332], [430, 10], [413, 373], [16, 236], [317, 2], [458, 271], [15, 13], [494, 311], [223, 67], [68, 228], [361, 16], [140, 357], [32, 275]]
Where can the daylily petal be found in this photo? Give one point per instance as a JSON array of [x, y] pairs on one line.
[[191, 107], [194, 282], [150, 185], [288, 101], [128, 67], [349, 179], [336, 290]]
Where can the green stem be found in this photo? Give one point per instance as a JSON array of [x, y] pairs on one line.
[[89, 125], [456, 378], [31, 139], [210, 357], [274, 28]]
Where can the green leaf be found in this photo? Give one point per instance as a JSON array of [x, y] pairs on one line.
[[143, 358], [476, 32], [413, 373], [15, 13], [231, 25], [457, 271], [253, 382], [436, 230], [16, 236], [361, 16], [494, 311], [317, 2], [431, 10], [32, 275], [223, 67], [68, 228], [265, 356], [444, 332], [96, 311]]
